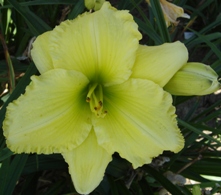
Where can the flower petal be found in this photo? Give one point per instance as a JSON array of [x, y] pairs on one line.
[[102, 45], [193, 79], [159, 63], [51, 116], [140, 122], [172, 12], [87, 164], [40, 53]]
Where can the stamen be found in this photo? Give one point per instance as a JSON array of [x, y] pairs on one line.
[[91, 90], [95, 99], [100, 93], [88, 99]]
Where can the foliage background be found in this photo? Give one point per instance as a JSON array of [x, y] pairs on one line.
[[198, 117]]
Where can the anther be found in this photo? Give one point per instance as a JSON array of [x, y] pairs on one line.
[[95, 99]]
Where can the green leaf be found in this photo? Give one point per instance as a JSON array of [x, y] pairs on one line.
[[10, 172], [78, 9], [197, 131], [158, 13], [48, 2], [36, 24], [30, 184], [5, 153], [114, 190], [196, 190], [164, 181], [37, 163], [146, 189], [149, 31]]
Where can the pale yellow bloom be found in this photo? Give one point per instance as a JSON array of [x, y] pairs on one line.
[[171, 12], [99, 92]]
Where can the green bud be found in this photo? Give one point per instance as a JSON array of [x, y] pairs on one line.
[[93, 4], [193, 79]]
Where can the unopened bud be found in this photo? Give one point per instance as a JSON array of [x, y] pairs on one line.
[[93, 4], [193, 79]]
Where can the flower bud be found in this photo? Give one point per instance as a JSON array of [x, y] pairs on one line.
[[93, 4], [193, 79]]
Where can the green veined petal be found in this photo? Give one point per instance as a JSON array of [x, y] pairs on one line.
[[51, 116], [159, 63], [87, 164], [140, 122], [193, 79], [40, 53], [102, 45]]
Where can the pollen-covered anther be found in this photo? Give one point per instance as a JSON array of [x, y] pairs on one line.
[[99, 106], [88, 99]]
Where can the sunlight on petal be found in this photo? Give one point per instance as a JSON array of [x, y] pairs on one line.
[[40, 53], [53, 115], [159, 63], [140, 122], [102, 45], [87, 164]]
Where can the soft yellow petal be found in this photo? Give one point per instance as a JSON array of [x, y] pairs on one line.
[[51, 116], [40, 53], [193, 79], [159, 63], [87, 164], [140, 122], [102, 45]]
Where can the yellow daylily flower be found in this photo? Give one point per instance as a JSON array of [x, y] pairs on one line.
[[99, 92], [171, 12]]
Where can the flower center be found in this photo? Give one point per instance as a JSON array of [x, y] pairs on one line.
[[95, 99]]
